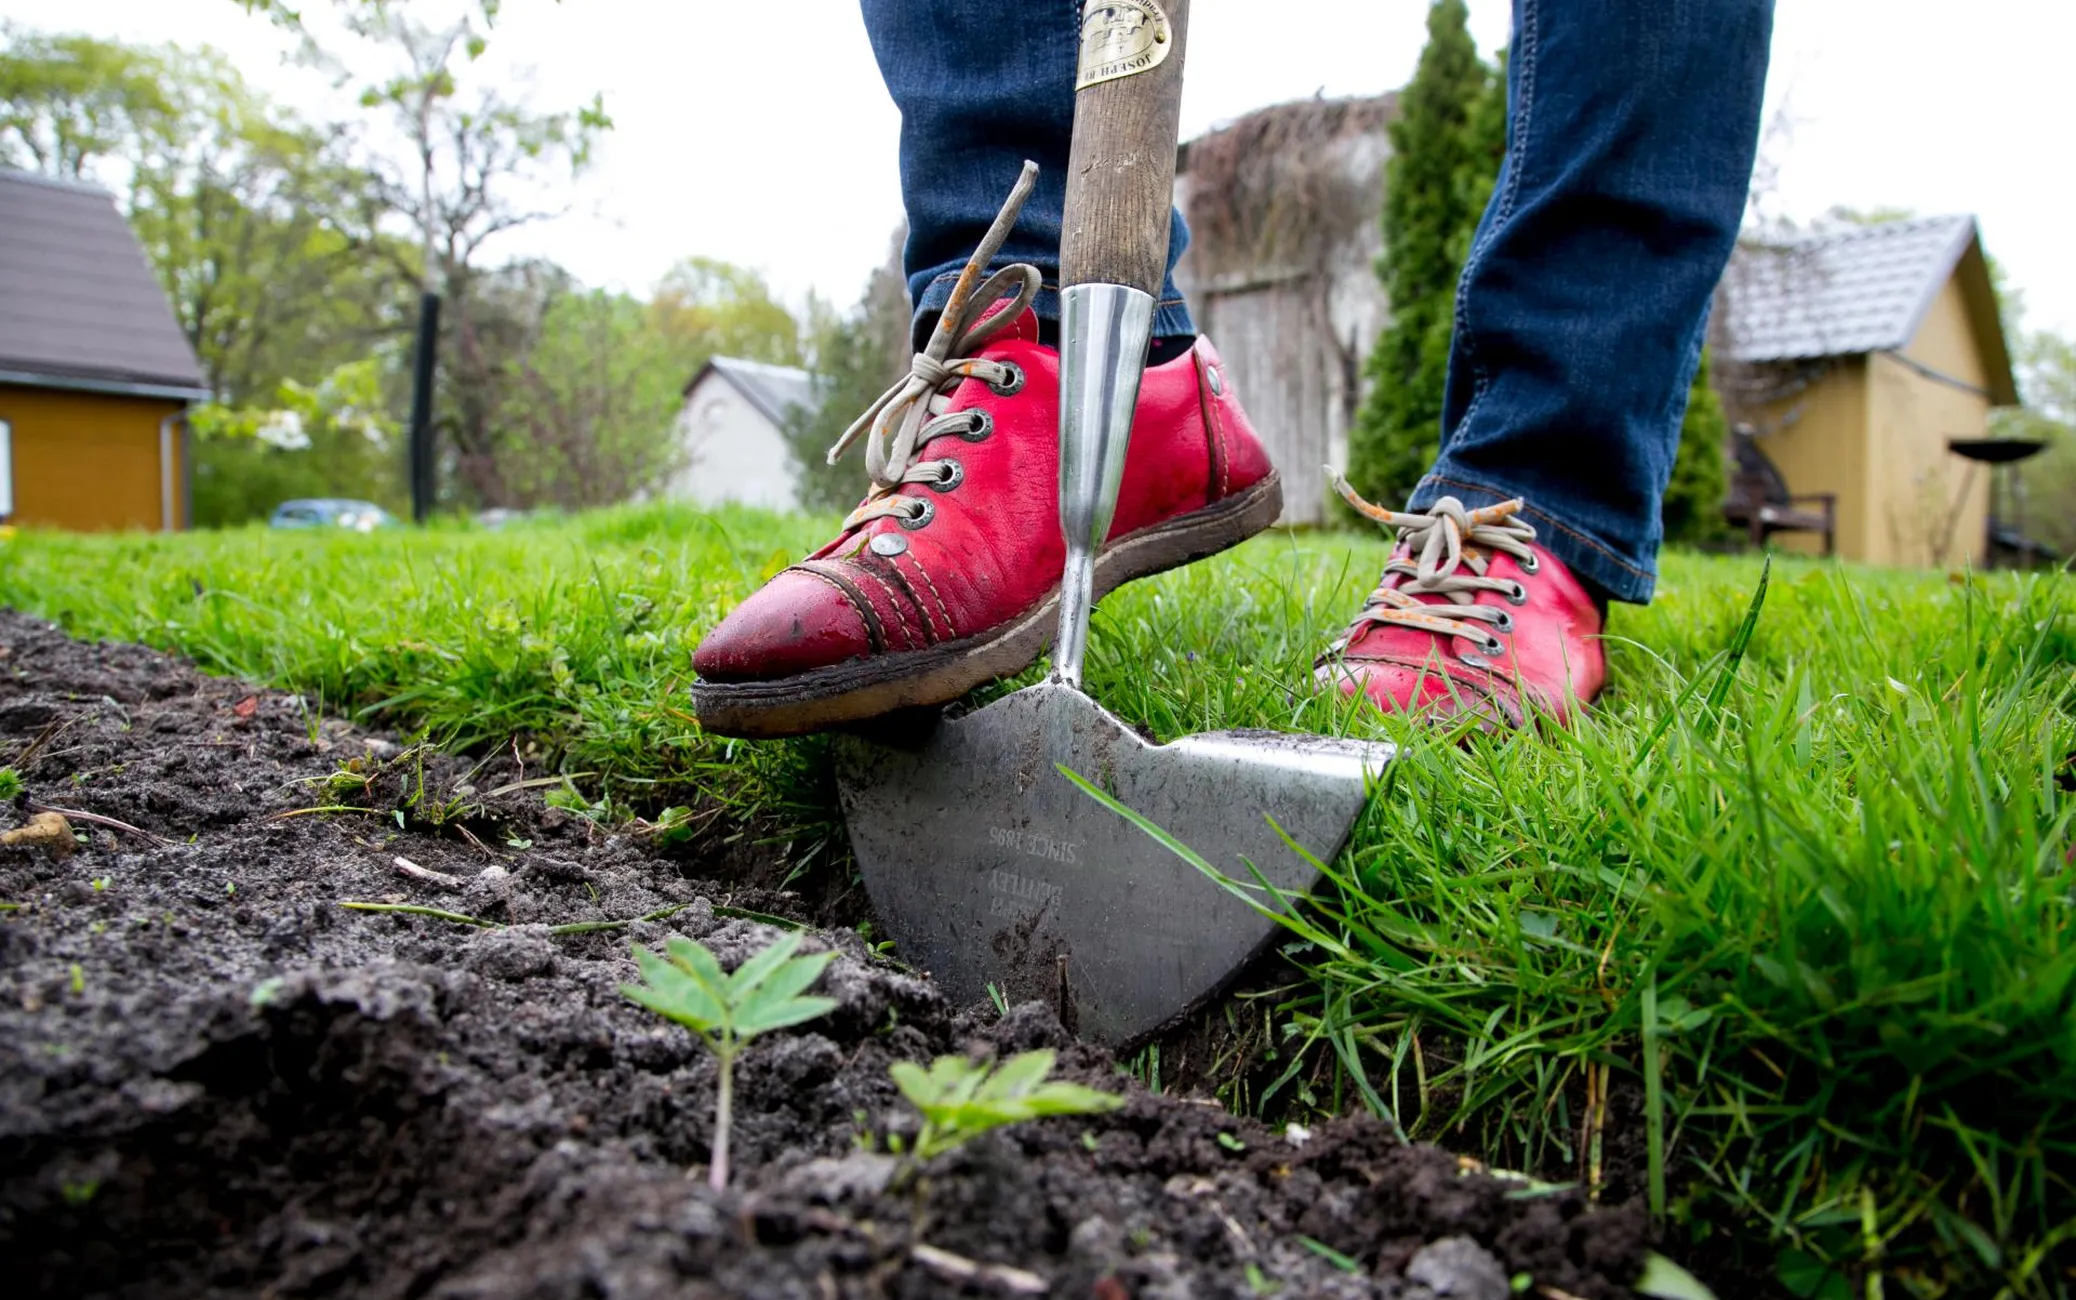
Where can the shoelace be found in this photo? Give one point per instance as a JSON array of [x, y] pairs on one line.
[[908, 416], [1435, 548]]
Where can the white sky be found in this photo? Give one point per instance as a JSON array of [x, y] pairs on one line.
[[759, 132]]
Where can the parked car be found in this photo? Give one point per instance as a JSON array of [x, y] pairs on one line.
[[331, 512]]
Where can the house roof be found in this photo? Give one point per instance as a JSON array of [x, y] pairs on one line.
[[79, 306], [1858, 290], [773, 390]]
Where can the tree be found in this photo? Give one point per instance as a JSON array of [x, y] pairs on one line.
[[2046, 483], [1693, 507], [586, 410], [578, 405], [470, 164], [261, 229], [709, 308], [68, 101], [331, 438], [856, 356], [1447, 144]]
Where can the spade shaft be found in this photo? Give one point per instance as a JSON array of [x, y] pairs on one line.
[[1113, 260], [1121, 163]]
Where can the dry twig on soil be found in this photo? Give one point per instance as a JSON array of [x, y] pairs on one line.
[[97, 819], [425, 875], [958, 1268]]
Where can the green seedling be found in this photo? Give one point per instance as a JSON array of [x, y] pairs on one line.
[[674, 825], [726, 1011], [10, 783], [1345, 1263], [959, 1100]]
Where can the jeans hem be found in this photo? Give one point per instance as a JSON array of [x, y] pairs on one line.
[[1593, 560], [1171, 318]]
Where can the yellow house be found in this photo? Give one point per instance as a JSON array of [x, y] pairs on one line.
[[1860, 356], [95, 374]]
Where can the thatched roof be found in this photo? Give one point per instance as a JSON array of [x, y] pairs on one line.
[[1276, 191]]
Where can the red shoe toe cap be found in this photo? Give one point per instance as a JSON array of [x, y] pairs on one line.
[[795, 623]]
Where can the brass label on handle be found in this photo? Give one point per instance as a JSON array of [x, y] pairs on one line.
[[1120, 38]]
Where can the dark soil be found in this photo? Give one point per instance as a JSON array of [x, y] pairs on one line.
[[216, 1081]]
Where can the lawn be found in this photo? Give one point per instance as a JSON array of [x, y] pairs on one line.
[[1781, 942]]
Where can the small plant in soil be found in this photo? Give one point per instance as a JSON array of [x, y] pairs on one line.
[[686, 984], [959, 1099]]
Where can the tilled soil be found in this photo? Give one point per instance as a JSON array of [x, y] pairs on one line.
[[217, 1081]]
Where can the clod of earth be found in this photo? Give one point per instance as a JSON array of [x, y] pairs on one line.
[[47, 831], [264, 1093]]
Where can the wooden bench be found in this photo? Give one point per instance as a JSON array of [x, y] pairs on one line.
[[1760, 503]]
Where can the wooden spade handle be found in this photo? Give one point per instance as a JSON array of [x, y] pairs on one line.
[[1121, 169]]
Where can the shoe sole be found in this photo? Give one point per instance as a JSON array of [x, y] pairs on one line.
[[866, 688]]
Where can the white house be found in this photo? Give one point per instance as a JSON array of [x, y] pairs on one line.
[[733, 430]]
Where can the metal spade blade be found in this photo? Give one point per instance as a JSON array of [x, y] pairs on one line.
[[990, 867]]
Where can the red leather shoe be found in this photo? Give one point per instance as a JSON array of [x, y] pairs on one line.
[[947, 576], [1471, 616]]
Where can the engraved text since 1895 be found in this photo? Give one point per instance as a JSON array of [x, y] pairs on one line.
[[1033, 845]]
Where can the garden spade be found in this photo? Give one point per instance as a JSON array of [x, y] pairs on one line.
[[990, 868]]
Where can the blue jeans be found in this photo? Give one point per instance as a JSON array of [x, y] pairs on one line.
[[1632, 126]]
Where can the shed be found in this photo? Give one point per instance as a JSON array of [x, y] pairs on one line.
[[95, 373], [732, 434], [1283, 211], [1859, 356]]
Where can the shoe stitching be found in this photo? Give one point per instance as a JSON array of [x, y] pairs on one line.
[[915, 642], [875, 634], [951, 628], [894, 570]]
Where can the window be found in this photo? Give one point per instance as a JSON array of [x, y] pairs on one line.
[[6, 471]]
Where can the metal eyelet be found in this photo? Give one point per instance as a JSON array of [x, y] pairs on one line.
[[1518, 596], [889, 545], [1505, 623], [1471, 659], [949, 477], [982, 428], [1495, 646], [1015, 384], [922, 517], [1531, 565]]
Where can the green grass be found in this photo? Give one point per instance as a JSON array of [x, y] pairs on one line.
[[1797, 936]]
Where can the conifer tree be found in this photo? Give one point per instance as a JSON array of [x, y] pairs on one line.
[[1446, 144], [1693, 507]]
